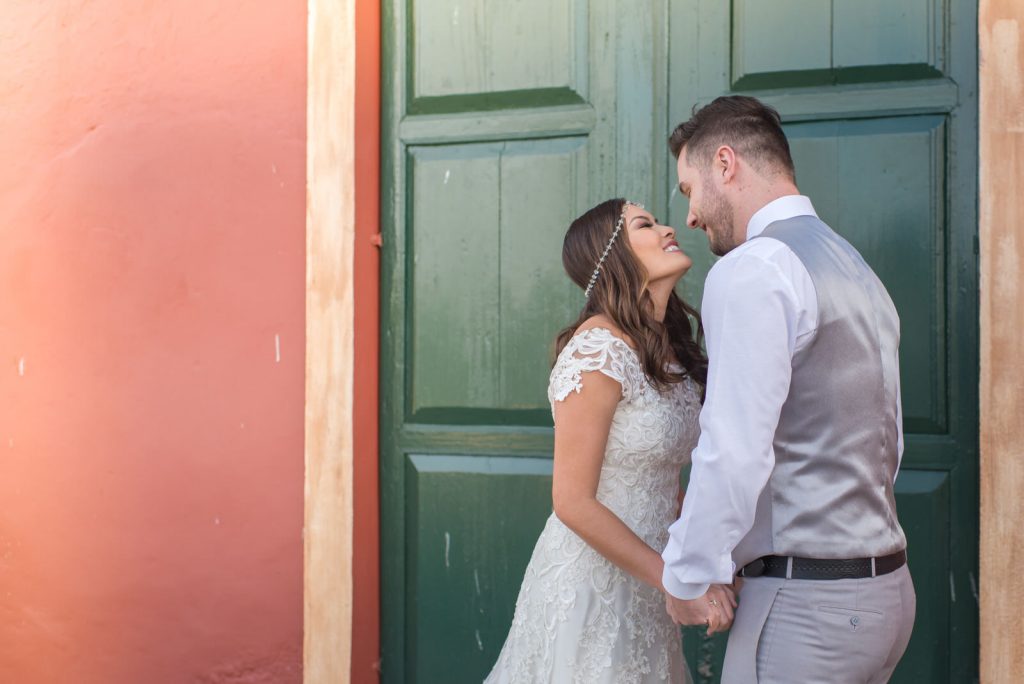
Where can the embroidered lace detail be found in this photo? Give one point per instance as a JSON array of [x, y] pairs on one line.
[[596, 349], [579, 618]]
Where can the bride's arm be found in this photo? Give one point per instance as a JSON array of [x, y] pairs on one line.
[[582, 422]]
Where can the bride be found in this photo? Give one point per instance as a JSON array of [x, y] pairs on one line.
[[625, 392]]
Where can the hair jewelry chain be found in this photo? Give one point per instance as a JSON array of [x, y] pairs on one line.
[[608, 247]]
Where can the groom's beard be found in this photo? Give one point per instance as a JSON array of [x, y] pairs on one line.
[[717, 217]]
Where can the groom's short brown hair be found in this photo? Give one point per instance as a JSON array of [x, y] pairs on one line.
[[745, 124]]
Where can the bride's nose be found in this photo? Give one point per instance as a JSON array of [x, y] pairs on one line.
[[668, 231]]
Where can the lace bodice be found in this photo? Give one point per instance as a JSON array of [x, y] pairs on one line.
[[651, 436], [579, 618]]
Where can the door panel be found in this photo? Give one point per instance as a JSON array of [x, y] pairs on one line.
[[755, 54], [880, 36], [924, 502], [478, 55], [845, 41], [473, 521], [551, 181], [484, 290], [882, 183], [473, 47], [457, 187]]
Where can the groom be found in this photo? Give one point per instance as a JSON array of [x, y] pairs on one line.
[[801, 437]]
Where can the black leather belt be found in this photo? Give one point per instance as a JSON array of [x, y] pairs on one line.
[[823, 569]]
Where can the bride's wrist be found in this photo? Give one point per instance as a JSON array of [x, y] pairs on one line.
[[655, 572]]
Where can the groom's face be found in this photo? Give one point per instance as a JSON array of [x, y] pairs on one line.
[[710, 210]]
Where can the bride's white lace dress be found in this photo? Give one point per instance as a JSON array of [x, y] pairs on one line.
[[579, 618]]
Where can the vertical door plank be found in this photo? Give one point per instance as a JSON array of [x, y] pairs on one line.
[[455, 281]]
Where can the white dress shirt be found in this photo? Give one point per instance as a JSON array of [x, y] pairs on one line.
[[759, 310]]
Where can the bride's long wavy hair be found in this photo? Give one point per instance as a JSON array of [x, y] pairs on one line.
[[621, 294]]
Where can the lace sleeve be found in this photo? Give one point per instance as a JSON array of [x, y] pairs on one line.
[[594, 349]]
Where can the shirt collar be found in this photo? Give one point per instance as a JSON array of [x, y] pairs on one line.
[[780, 209]]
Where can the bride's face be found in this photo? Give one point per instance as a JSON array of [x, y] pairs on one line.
[[655, 245]]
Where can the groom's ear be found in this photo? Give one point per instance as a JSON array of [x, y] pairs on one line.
[[724, 163]]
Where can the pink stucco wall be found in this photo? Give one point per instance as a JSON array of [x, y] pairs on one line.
[[151, 340]]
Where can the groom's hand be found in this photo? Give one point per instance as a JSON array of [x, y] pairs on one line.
[[714, 609]]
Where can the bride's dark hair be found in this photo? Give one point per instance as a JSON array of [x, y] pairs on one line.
[[621, 294]]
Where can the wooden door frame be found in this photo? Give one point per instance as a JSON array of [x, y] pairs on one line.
[[1001, 238], [341, 535], [330, 343], [341, 582]]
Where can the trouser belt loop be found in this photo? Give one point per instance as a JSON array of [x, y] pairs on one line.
[[874, 572], [789, 567]]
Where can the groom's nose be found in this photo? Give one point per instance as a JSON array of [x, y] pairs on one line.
[[691, 219]]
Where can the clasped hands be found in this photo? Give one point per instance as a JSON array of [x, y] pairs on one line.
[[714, 609]]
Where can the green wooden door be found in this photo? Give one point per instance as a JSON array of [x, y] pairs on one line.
[[879, 102], [502, 121]]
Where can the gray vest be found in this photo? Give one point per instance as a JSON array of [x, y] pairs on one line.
[[831, 493]]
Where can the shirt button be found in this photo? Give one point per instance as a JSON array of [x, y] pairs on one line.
[[855, 621]]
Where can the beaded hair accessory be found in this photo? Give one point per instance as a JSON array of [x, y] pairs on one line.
[[608, 247]]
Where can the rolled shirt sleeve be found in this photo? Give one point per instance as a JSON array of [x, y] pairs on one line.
[[751, 314]]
